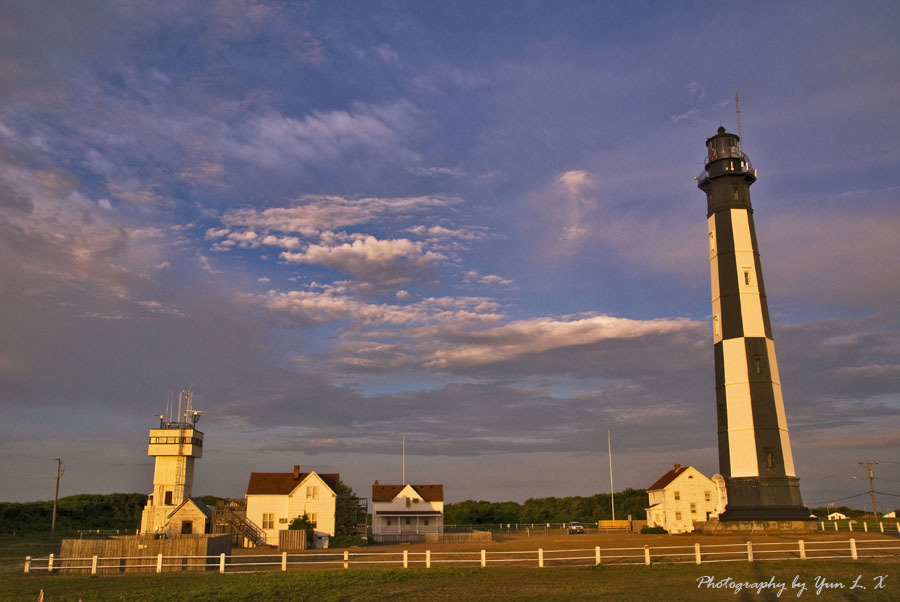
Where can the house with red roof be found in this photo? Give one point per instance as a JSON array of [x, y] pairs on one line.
[[275, 499], [680, 498], [406, 512]]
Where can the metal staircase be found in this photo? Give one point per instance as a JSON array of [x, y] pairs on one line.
[[232, 518]]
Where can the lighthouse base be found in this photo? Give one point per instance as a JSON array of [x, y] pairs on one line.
[[764, 499]]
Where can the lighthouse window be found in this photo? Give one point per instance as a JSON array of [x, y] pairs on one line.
[[757, 363], [770, 459], [747, 279], [736, 195], [712, 243], [716, 325]]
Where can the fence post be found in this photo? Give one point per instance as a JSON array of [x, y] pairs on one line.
[[835, 525], [898, 526], [406, 559], [850, 524], [284, 561], [50, 564], [159, 563], [866, 527], [541, 557], [427, 559], [697, 553], [28, 564], [222, 562], [802, 550], [483, 559], [647, 555], [821, 525], [853, 549], [597, 556], [94, 564], [749, 551], [881, 526], [346, 559]]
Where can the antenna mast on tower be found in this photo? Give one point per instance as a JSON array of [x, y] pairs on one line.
[[737, 107]]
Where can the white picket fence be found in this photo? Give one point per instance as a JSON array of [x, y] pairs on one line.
[[851, 549]]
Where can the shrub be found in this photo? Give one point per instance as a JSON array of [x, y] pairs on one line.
[[653, 530]]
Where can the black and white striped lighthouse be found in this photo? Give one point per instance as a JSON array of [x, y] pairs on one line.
[[754, 449]]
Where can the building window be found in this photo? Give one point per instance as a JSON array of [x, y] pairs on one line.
[[268, 520], [388, 522], [187, 527], [313, 518], [677, 495], [706, 496], [407, 502], [678, 516], [426, 522], [693, 508], [312, 492], [408, 521], [168, 501]]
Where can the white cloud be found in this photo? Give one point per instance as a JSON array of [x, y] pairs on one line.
[[314, 214], [474, 277], [276, 141], [537, 335], [576, 182], [690, 115], [384, 262], [436, 171], [442, 233]]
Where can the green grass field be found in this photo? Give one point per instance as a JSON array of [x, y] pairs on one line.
[[638, 583]]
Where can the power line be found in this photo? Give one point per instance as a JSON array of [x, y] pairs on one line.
[[841, 499]]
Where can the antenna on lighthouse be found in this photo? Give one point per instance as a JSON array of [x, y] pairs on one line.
[[737, 107]]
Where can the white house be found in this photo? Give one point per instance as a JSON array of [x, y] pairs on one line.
[[837, 516], [892, 514], [274, 499], [680, 497], [407, 509]]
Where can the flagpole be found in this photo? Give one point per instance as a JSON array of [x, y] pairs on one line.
[[612, 492]]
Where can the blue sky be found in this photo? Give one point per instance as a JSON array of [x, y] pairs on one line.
[[474, 224]]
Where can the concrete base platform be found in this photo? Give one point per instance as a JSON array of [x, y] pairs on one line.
[[732, 527]]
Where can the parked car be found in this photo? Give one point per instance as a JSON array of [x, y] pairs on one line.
[[575, 527]]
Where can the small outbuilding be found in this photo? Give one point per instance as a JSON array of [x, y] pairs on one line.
[[191, 517]]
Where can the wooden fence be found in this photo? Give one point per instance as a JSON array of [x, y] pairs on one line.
[[292, 540], [141, 553], [852, 549]]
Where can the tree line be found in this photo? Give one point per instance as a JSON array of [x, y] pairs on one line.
[[75, 512], [549, 509]]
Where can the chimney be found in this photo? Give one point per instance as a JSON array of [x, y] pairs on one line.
[[677, 467], [296, 471], [376, 481]]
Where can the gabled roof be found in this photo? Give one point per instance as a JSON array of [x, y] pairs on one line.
[[387, 493], [668, 477], [200, 504], [283, 483]]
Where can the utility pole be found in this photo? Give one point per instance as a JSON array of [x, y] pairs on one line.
[[55, 496], [871, 485]]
